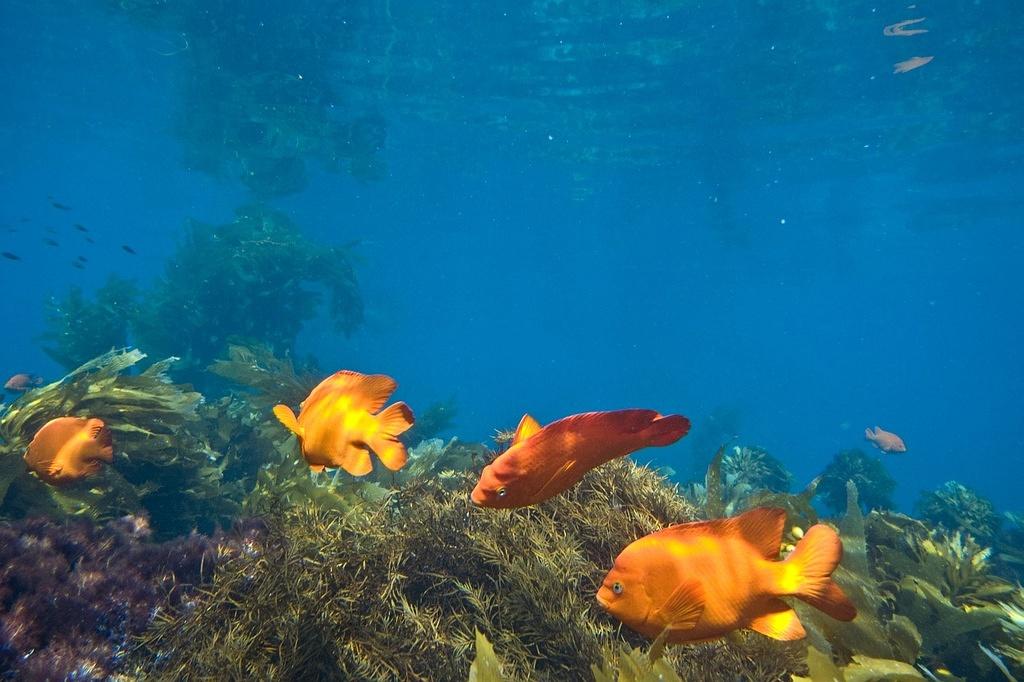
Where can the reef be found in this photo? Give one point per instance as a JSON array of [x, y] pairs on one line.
[[957, 507], [396, 588], [74, 596], [867, 473]]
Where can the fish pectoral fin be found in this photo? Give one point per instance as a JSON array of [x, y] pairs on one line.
[[527, 427], [353, 459], [54, 468], [285, 415], [779, 621], [317, 468], [563, 471], [392, 422], [684, 606]]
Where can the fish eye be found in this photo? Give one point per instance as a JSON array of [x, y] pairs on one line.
[[502, 491], [617, 587]]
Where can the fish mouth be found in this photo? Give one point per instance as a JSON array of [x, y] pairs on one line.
[[477, 497], [602, 600]]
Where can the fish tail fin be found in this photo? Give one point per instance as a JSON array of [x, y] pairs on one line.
[[285, 415], [392, 422], [807, 573], [666, 430]]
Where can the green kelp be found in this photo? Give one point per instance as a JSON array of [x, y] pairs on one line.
[[876, 631], [78, 329], [943, 583], [955, 506], [259, 97], [398, 589], [861, 669], [163, 464], [257, 278], [873, 482]]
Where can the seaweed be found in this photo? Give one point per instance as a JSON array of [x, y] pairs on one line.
[[955, 506], [163, 463], [396, 588], [256, 278], [78, 329], [873, 482]]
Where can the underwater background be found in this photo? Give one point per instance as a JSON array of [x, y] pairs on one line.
[[747, 213]]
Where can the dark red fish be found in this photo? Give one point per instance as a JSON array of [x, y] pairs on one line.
[[22, 382], [128, 249]]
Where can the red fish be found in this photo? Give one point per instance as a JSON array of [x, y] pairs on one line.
[[22, 382], [68, 449], [702, 580], [543, 462], [886, 441]]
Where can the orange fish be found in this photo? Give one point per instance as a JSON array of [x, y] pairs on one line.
[[702, 580], [69, 449], [339, 423], [23, 382], [885, 441], [543, 462]]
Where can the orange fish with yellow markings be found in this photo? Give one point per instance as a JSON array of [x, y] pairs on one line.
[[702, 580], [68, 449], [340, 423], [545, 461]]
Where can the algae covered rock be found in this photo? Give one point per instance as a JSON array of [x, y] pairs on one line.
[[397, 588], [955, 506]]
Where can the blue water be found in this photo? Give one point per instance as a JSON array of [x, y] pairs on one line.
[[705, 208]]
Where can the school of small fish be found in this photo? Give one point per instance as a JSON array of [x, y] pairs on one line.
[[689, 582]]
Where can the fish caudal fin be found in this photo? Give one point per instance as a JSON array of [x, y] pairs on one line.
[[666, 430], [779, 621], [807, 573], [285, 415], [392, 422]]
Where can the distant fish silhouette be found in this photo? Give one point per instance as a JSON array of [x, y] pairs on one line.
[[898, 29], [886, 441], [83, 259], [23, 381], [128, 249], [10, 256], [57, 205], [80, 227], [90, 239], [911, 64], [78, 264], [50, 242]]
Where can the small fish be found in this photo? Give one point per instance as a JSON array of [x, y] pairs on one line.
[[68, 449], [10, 256], [59, 206], [80, 227], [899, 28], [702, 580], [90, 239], [543, 462], [911, 64], [341, 421], [78, 264], [886, 441], [128, 249], [82, 259], [51, 242], [22, 382]]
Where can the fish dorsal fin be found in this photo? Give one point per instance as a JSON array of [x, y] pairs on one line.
[[285, 415], [684, 606], [368, 391], [527, 427], [99, 432], [761, 527], [778, 621]]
